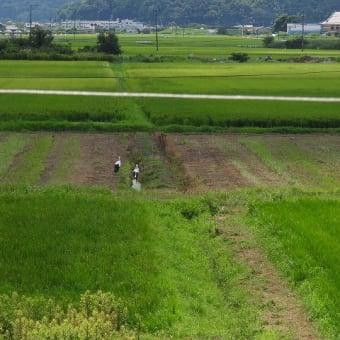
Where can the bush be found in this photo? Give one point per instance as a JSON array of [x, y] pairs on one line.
[[240, 57], [268, 41], [99, 315], [108, 43]]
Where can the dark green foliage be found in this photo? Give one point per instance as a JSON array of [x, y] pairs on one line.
[[280, 24], [297, 42], [40, 37], [108, 43], [240, 57], [217, 12], [268, 41]]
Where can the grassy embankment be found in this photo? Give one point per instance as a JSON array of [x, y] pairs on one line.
[[302, 239], [162, 260], [156, 257]]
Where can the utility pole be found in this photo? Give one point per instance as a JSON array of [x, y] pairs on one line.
[[303, 30], [30, 22], [156, 24]]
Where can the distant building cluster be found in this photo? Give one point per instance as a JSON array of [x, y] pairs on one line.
[[331, 25], [81, 26], [128, 26]]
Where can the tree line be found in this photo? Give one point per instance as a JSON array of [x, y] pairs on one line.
[[40, 45], [211, 12], [181, 12]]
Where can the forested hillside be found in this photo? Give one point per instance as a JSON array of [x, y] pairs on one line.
[[182, 12]]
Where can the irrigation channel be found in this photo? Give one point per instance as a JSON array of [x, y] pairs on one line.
[[170, 95]]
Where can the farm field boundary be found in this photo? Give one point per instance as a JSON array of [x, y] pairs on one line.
[[169, 95]]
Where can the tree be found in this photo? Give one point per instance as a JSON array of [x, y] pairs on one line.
[[108, 43], [40, 37], [281, 21]]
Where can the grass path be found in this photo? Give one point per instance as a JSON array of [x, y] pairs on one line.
[[283, 313]]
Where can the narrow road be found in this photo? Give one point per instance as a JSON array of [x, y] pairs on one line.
[[170, 95]]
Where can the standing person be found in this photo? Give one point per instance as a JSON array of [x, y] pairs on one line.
[[118, 164], [135, 172]]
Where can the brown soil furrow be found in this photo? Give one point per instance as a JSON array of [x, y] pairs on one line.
[[206, 165], [98, 154], [282, 310], [53, 158], [255, 170]]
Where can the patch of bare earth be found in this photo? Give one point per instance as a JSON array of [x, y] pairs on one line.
[[98, 154], [282, 310], [93, 166], [214, 162]]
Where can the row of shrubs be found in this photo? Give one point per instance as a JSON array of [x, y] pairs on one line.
[[89, 126], [41, 55], [298, 42]]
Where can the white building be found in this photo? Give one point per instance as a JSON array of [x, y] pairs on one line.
[[307, 28], [90, 26], [332, 24]]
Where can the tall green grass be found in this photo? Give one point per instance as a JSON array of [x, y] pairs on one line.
[[159, 258], [302, 239]]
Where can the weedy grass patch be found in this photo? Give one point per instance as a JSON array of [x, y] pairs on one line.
[[10, 146], [28, 167], [296, 162], [301, 237]]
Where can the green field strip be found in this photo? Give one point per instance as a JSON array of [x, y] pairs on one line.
[[29, 165], [28, 68], [262, 150], [302, 239], [10, 146], [64, 154], [298, 167]]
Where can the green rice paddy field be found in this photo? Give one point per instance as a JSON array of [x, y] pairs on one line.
[[34, 111], [250, 255]]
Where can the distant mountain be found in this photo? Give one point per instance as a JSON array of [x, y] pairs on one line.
[[182, 12], [19, 10]]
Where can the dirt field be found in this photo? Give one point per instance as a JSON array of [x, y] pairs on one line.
[[179, 162]]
